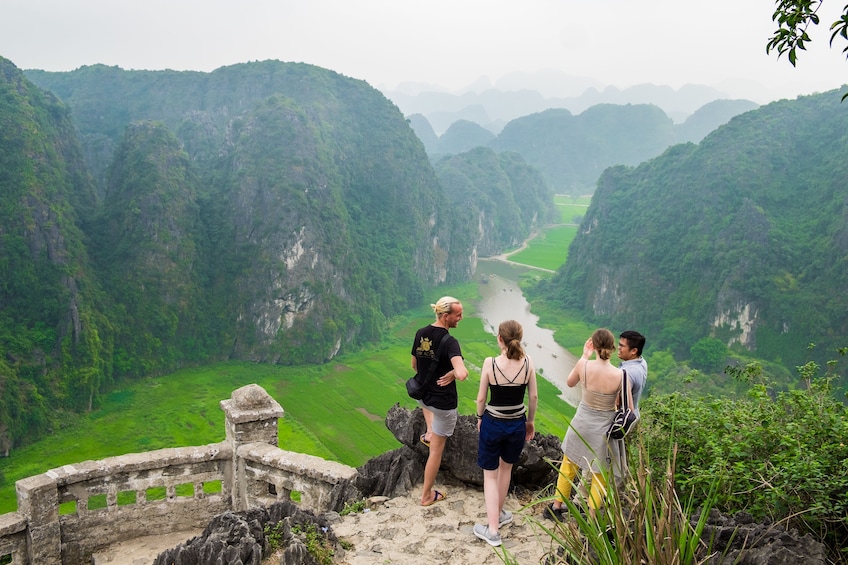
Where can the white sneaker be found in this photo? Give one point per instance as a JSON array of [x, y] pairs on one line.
[[483, 533], [504, 518]]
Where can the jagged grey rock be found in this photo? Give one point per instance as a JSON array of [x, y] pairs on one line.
[[239, 538], [739, 540], [533, 470], [391, 474]]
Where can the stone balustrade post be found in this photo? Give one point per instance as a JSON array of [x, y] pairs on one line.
[[38, 501], [251, 416]]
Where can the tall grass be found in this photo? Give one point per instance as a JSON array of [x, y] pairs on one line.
[[643, 521]]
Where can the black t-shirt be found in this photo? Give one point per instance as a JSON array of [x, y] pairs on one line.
[[423, 348]]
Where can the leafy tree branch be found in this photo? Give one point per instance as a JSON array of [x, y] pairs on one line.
[[794, 19]]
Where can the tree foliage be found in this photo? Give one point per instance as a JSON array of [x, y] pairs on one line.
[[708, 354], [795, 19]]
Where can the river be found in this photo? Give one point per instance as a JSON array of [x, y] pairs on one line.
[[502, 299]]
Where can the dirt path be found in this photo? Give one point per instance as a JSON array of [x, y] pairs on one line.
[[398, 531], [505, 257], [140, 551]]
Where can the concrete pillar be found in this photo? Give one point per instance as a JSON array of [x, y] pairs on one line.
[[38, 501], [251, 416]]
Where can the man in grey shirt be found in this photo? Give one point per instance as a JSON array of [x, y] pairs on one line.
[[630, 344]]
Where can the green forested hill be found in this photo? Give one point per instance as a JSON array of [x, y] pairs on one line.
[[49, 310], [148, 244], [743, 238], [463, 135], [315, 199], [425, 133], [268, 212], [572, 151], [496, 199], [709, 116]]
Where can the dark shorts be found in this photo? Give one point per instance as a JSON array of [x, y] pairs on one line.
[[500, 439]]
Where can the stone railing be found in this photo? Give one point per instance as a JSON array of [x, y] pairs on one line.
[[67, 514]]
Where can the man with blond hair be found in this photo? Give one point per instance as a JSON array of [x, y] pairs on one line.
[[440, 399]]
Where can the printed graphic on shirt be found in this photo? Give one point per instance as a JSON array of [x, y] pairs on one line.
[[425, 348]]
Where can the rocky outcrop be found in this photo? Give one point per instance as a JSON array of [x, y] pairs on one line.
[[739, 540], [396, 472], [244, 537]]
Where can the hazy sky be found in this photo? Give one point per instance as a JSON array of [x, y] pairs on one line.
[[443, 42]]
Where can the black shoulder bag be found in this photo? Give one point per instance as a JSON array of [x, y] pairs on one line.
[[624, 417], [415, 388]]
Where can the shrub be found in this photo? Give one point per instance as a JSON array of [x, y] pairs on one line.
[[781, 457], [353, 507], [275, 534], [316, 542]]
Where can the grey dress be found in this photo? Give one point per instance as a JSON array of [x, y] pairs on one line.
[[586, 444]]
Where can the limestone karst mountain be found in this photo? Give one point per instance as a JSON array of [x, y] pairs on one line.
[[742, 237], [572, 150], [268, 211]]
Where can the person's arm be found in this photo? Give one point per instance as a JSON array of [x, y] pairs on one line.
[[638, 377], [412, 354], [458, 373], [574, 375], [483, 391], [532, 402]]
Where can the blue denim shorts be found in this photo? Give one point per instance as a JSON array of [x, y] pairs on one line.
[[500, 439]]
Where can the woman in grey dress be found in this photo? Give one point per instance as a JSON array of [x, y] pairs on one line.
[[586, 446]]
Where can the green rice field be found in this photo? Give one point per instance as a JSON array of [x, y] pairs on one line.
[[334, 411], [547, 250], [571, 208]]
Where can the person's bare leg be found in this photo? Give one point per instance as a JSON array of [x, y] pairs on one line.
[[428, 419], [431, 469], [491, 483], [504, 476]]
